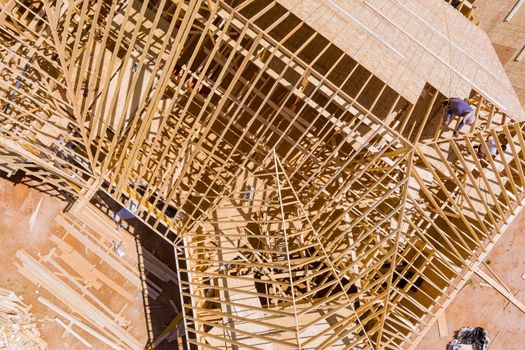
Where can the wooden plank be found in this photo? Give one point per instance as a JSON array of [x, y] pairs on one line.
[[520, 54], [442, 324], [78, 263], [39, 274], [514, 10], [92, 246], [87, 293], [80, 324], [502, 290], [34, 215], [73, 333]]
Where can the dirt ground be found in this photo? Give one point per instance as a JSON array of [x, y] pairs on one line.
[[480, 305], [17, 204]]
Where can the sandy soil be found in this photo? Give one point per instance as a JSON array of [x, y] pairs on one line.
[[480, 305]]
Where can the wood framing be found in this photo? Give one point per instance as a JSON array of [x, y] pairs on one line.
[[310, 204]]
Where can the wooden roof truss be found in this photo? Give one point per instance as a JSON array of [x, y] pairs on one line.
[[311, 206]]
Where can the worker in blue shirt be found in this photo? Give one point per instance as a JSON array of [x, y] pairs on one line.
[[459, 107]]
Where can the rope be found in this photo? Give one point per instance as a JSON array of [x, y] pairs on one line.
[[449, 49]]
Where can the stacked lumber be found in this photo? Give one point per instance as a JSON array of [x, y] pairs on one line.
[[78, 303], [102, 247], [101, 229], [75, 275], [17, 325]]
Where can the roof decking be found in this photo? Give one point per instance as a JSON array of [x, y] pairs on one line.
[[409, 43]]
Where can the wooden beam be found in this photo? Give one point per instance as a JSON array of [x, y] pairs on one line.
[[502, 290]]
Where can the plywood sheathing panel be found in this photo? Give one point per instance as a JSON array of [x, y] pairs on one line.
[[508, 38], [429, 36]]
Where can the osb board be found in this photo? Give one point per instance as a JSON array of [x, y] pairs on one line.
[[507, 37], [409, 43]]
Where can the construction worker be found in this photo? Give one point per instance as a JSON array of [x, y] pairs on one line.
[[492, 148], [459, 107]]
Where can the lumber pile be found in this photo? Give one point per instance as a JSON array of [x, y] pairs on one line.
[[76, 276], [18, 329], [41, 275], [98, 234]]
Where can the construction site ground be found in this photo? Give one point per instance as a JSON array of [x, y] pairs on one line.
[[18, 203], [480, 305]]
